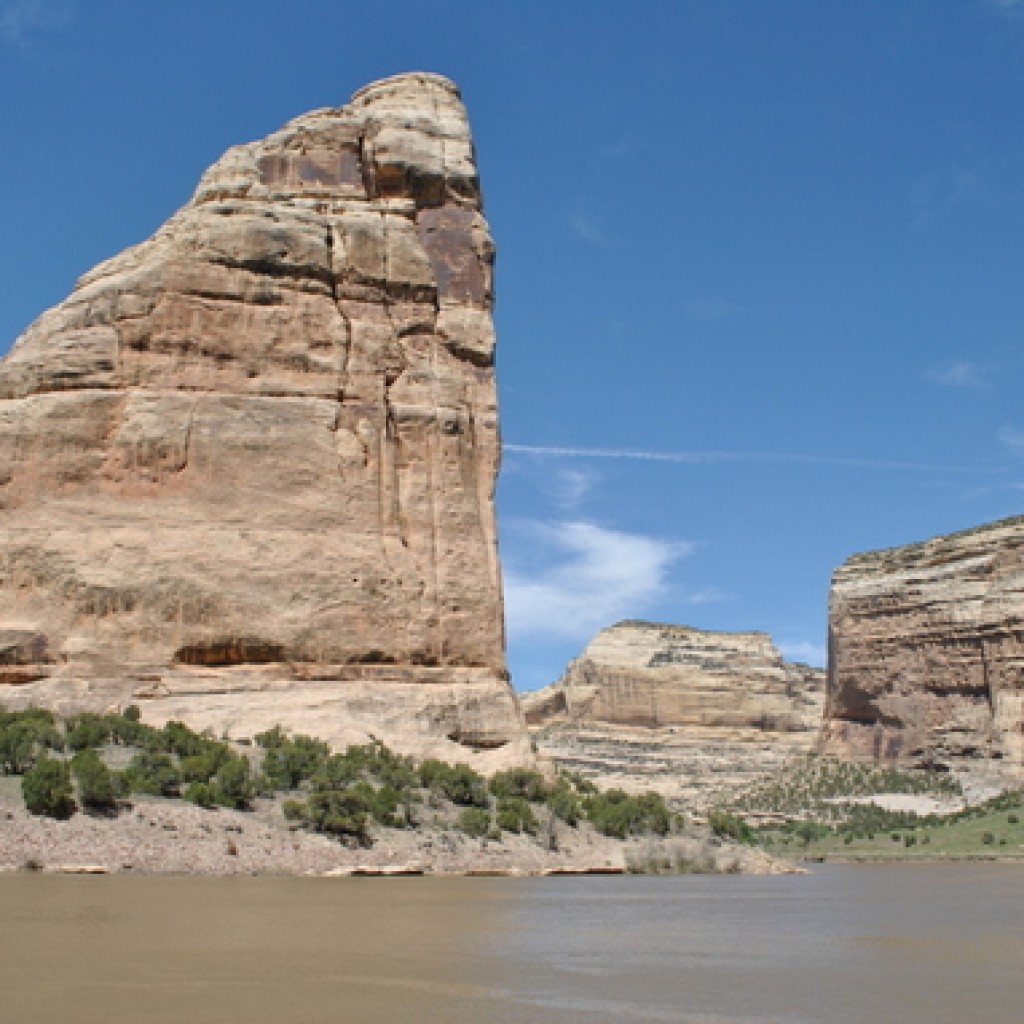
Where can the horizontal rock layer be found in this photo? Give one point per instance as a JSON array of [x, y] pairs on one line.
[[687, 712], [247, 467], [926, 662]]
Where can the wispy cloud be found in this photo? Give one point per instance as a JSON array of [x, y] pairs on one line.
[[582, 577], [586, 226], [1013, 439], [708, 310], [1008, 8], [20, 18], [803, 650], [698, 458], [571, 485], [958, 375]]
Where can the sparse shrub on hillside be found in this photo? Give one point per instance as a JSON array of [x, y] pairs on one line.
[[338, 812], [24, 738], [729, 826], [564, 803], [521, 782], [475, 822], [290, 761], [233, 784], [616, 813], [202, 794], [47, 790], [516, 815], [458, 783], [97, 784], [153, 772], [87, 730]]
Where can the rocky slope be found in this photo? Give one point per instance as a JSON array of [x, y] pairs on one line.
[[247, 467], [689, 713], [926, 658]]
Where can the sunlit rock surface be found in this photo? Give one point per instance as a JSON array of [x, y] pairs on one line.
[[927, 653], [689, 713], [247, 467]]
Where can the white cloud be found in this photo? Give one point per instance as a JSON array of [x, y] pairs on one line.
[[958, 375], [707, 310], [1010, 8], [709, 595], [18, 18], [571, 485], [586, 226], [706, 458], [804, 651], [582, 577], [1013, 439]]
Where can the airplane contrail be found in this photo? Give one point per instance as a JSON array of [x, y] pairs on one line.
[[697, 458]]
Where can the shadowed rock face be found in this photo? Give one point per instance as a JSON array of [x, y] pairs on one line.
[[247, 467], [684, 711], [926, 659]]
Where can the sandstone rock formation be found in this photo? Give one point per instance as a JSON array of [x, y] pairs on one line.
[[926, 661], [686, 712], [247, 467]]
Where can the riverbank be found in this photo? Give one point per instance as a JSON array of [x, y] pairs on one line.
[[157, 837]]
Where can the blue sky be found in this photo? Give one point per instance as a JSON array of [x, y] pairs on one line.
[[760, 278]]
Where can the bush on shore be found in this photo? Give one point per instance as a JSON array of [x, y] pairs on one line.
[[47, 790]]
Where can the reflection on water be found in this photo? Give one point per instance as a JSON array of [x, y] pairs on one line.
[[847, 944]]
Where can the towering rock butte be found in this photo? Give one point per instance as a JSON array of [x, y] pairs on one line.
[[684, 711], [926, 653], [247, 467]]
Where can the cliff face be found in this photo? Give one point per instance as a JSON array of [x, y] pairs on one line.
[[926, 659], [683, 711], [247, 467]]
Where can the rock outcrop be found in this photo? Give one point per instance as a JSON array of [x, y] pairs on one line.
[[926, 653], [689, 713], [247, 467]]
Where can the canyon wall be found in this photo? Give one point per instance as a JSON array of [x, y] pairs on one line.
[[247, 468], [926, 661], [689, 713]]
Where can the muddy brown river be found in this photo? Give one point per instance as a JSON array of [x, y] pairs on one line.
[[847, 944]]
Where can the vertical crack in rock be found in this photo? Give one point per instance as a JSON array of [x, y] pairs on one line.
[[249, 463]]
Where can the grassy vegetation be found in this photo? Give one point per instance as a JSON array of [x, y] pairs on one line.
[[991, 829], [830, 815], [821, 789]]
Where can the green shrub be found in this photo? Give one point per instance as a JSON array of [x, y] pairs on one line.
[[288, 762], [87, 730], [564, 803], [153, 772], [199, 767], [203, 794], [475, 822], [24, 736], [521, 782], [615, 813], [96, 783], [988, 838], [339, 812], [233, 784], [458, 783], [46, 789], [516, 815], [1012, 819]]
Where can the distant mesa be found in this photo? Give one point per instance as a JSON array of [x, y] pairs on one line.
[[926, 660], [687, 712], [247, 467]]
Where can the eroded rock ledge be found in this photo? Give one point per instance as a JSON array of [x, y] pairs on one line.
[[247, 467], [689, 713], [926, 658]]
